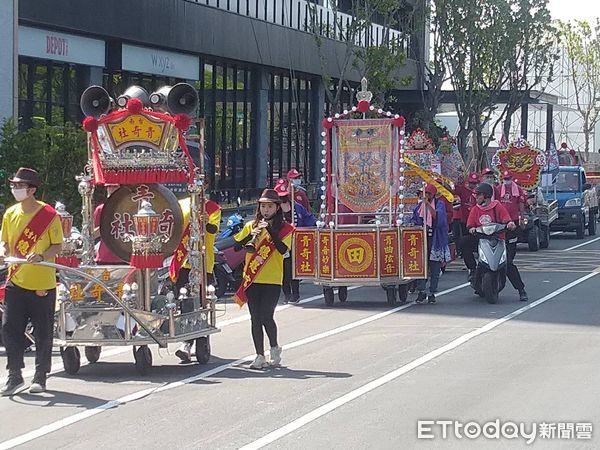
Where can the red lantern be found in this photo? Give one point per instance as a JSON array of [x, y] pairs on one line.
[[399, 121]]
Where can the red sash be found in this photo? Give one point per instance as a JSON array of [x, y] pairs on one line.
[[264, 250], [30, 235], [181, 253]]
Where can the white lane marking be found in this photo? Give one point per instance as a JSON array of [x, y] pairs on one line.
[[581, 245], [352, 395], [117, 351], [55, 426], [556, 233]]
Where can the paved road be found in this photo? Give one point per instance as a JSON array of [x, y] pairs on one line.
[[355, 375]]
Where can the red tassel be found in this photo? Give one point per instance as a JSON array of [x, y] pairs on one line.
[[146, 261]]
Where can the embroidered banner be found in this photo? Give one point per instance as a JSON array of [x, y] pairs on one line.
[[365, 155]]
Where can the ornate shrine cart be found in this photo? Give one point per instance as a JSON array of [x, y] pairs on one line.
[[364, 235], [139, 145]]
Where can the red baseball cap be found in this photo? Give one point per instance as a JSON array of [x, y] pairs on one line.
[[293, 173], [487, 171], [281, 189], [507, 175], [474, 177], [431, 189]]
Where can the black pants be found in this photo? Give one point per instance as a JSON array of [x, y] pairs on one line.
[[23, 305], [262, 301], [291, 287], [459, 230], [512, 272]]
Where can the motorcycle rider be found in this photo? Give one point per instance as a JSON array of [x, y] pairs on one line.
[[490, 211], [514, 199]]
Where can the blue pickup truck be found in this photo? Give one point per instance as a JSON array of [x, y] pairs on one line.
[[577, 201]]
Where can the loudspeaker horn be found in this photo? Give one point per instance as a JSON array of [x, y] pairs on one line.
[[179, 99], [134, 92], [95, 102]]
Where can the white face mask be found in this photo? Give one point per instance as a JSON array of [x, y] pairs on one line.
[[507, 182], [19, 194], [296, 182]]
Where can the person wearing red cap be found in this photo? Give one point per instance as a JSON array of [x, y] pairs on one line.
[[432, 213], [488, 176], [294, 177], [514, 199], [464, 200], [300, 218]]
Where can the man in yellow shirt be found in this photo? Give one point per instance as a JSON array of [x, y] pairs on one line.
[[31, 230], [179, 271]]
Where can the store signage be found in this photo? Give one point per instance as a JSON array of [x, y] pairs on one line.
[[160, 62], [64, 47]]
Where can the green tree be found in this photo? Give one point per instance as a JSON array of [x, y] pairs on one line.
[[489, 46], [581, 42], [58, 152], [379, 63]]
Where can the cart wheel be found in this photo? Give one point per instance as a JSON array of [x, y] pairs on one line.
[[143, 359], [93, 354], [343, 293], [71, 359], [328, 295], [203, 349], [390, 292], [545, 237], [403, 293]]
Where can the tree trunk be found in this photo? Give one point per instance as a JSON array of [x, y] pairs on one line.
[[586, 134]]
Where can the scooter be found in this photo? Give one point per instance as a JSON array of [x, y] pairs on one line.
[[234, 224], [490, 276], [229, 266]]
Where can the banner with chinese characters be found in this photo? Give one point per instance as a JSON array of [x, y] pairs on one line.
[[355, 254], [304, 254], [325, 251], [389, 257], [364, 157], [414, 250]]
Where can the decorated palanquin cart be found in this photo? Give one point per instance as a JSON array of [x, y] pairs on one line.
[[527, 165], [364, 234], [138, 145]]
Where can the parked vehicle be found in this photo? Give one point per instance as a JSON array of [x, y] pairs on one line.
[[577, 202], [535, 225], [490, 276], [229, 266]]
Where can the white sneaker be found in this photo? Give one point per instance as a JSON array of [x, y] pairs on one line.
[[259, 363], [184, 353], [276, 355]]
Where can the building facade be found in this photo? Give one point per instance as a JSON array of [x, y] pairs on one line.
[[255, 64]]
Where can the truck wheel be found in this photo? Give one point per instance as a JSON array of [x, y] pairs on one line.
[[580, 230], [533, 239], [343, 293], [545, 236], [592, 224], [391, 295]]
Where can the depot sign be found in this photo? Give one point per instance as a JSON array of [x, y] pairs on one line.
[[69, 48]]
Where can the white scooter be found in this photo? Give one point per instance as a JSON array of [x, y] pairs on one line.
[[490, 276]]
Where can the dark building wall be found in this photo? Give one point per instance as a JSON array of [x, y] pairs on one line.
[[190, 27]]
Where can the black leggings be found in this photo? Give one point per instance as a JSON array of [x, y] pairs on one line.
[[262, 301], [291, 287], [23, 305]]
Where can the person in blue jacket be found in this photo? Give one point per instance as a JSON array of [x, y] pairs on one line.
[[432, 211], [301, 218]]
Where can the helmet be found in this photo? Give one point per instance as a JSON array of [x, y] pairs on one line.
[[485, 189]]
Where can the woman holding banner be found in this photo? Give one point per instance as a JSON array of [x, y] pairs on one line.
[[266, 239]]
